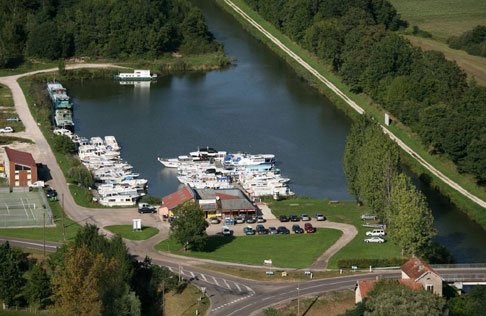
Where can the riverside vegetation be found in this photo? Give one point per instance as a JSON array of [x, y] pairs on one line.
[[423, 90]]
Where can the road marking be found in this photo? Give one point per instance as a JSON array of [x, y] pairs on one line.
[[170, 269], [192, 274], [229, 287], [250, 289], [237, 286], [28, 243], [215, 281], [204, 277]]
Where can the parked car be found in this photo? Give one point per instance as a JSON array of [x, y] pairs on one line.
[[13, 119], [261, 230], [229, 221], [260, 219], [283, 230], [7, 129], [305, 217], [375, 232], [272, 230], [283, 218], [320, 217], [146, 208], [250, 219], [214, 220], [294, 218], [368, 217], [297, 229], [375, 240], [248, 231], [226, 231], [37, 184], [50, 193], [240, 220], [309, 228]]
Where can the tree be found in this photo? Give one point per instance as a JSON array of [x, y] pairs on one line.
[[37, 291], [392, 298], [79, 288], [409, 219], [63, 144], [11, 279], [189, 226], [469, 304], [81, 176]]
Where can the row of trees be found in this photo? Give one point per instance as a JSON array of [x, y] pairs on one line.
[[93, 276], [422, 89], [473, 42], [372, 167], [63, 28]]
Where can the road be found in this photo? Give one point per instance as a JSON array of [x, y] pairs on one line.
[[355, 106]]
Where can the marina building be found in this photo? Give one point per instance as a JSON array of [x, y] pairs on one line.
[[171, 201], [224, 203], [20, 168]]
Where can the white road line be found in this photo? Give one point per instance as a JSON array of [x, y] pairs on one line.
[[249, 289], [170, 269], [215, 281], [204, 277], [227, 285], [237, 286], [355, 106], [192, 274]]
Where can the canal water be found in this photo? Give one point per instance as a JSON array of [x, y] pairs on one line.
[[258, 105]]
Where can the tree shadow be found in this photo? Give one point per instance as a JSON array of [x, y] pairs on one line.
[[215, 242]]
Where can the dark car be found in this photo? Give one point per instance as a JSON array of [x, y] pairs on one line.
[[283, 230], [283, 218], [297, 229], [261, 230], [248, 231], [250, 219], [143, 210], [272, 230], [50, 193], [294, 218], [308, 228]]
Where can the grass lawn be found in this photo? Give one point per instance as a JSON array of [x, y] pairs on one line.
[[442, 18], [292, 251], [412, 140], [343, 212], [126, 231], [329, 304], [5, 96], [52, 233], [186, 303], [27, 67]]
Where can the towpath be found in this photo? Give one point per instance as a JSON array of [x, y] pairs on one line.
[[355, 106]]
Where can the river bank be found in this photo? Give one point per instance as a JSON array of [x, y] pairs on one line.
[[473, 210]]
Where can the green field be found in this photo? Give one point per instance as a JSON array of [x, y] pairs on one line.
[[52, 233], [292, 251], [343, 212], [442, 18], [126, 231], [5, 96]]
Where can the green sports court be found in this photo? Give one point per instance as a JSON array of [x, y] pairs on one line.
[[24, 209]]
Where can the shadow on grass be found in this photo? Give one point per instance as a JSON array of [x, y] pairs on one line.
[[215, 242]]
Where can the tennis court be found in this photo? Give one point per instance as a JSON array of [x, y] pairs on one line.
[[21, 209]]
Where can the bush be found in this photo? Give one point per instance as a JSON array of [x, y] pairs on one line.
[[63, 144], [81, 176], [366, 263], [152, 200]]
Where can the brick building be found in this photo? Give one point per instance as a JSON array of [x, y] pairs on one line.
[[20, 168]]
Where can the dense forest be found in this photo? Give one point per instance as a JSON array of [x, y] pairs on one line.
[[53, 29], [422, 89], [473, 42]]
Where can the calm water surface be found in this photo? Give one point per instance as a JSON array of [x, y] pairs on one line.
[[259, 105]]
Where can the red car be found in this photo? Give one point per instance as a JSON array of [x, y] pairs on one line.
[[308, 228]]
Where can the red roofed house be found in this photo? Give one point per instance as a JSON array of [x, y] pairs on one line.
[[414, 269], [171, 201], [415, 275], [20, 168]]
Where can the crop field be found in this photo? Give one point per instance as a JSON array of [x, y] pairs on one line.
[[442, 18]]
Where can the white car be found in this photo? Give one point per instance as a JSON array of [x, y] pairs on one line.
[[226, 231], [37, 184], [375, 240], [376, 233], [260, 219], [7, 129], [320, 217]]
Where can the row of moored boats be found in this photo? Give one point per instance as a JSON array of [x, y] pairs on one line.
[[209, 168]]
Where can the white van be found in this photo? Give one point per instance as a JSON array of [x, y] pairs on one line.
[[376, 232]]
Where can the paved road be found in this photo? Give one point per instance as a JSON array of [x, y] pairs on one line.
[[355, 106]]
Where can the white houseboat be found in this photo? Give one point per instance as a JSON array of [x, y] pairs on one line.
[[137, 75]]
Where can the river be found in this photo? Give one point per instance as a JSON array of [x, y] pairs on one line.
[[258, 105]]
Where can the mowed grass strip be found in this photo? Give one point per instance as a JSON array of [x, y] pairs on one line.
[[5, 96], [292, 251], [343, 212], [186, 303], [126, 231]]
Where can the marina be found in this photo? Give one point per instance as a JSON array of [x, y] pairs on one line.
[[62, 106], [212, 169]]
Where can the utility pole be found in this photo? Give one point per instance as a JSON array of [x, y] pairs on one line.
[[62, 214], [298, 298], [179, 273], [44, 233]]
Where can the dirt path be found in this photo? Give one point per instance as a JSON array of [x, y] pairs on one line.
[[353, 104]]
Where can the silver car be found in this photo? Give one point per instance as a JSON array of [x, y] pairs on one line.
[[378, 240]]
